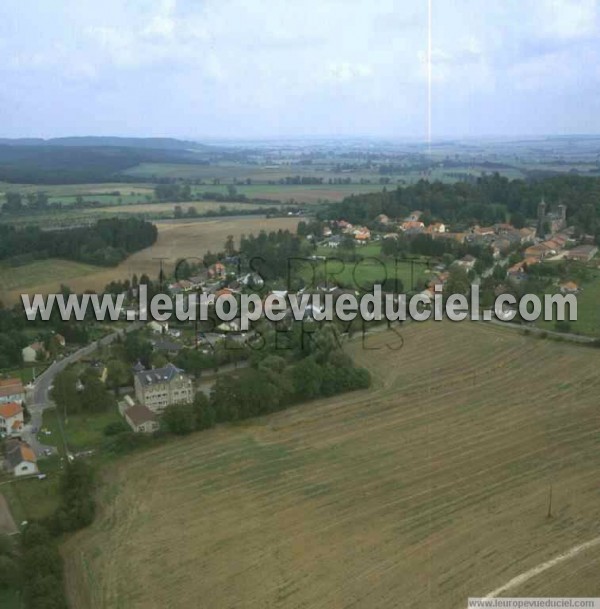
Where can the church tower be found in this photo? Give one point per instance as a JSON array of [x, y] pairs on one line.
[[541, 217]]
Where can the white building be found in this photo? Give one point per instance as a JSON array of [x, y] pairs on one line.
[[20, 458], [11, 418], [11, 390]]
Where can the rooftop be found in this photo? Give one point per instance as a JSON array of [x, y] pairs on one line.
[[10, 409], [139, 414], [158, 375]]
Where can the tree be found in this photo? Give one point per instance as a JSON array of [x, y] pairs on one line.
[[518, 219], [14, 202], [458, 281], [137, 347], [64, 391], [204, 412], [95, 397], [307, 377], [118, 374], [180, 419], [9, 571], [230, 245]]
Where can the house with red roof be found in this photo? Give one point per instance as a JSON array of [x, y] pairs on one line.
[[11, 390], [11, 419]]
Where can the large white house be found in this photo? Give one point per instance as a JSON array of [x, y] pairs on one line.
[[162, 387], [11, 418]]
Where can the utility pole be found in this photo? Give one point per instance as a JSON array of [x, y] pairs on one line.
[[549, 515]]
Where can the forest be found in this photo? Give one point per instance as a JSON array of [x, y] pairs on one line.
[[489, 199], [106, 243]]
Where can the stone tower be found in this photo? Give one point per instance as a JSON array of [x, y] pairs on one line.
[[541, 217], [562, 215]]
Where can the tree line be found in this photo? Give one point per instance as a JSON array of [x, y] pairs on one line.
[[106, 243], [486, 200]]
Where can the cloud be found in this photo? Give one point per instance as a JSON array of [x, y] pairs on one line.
[[250, 67]]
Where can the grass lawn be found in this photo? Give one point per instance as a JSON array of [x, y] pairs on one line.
[[26, 373], [31, 498], [361, 274], [82, 431], [588, 309], [42, 271]]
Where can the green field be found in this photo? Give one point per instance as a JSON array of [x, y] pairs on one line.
[[370, 268], [41, 271], [588, 309], [30, 498], [61, 191], [82, 431]]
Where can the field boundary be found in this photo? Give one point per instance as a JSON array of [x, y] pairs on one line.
[[527, 575]]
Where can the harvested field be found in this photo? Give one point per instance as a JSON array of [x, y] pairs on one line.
[[428, 488], [175, 240]]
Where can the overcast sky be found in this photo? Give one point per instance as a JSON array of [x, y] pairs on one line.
[[269, 68]]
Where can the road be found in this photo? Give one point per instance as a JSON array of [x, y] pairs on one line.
[[40, 399]]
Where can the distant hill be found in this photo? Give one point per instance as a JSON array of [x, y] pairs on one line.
[[70, 163], [155, 143]]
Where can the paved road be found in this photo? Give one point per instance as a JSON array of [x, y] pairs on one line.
[[40, 399]]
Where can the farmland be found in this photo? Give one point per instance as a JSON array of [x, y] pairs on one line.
[[175, 240], [430, 487]]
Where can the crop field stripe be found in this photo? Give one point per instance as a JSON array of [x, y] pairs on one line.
[[403, 478]]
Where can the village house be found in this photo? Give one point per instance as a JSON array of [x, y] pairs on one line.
[[162, 387], [467, 262], [483, 230], [362, 234], [223, 292], [181, 286], [34, 353], [216, 271], [158, 327], [20, 459], [11, 390], [333, 242], [435, 228], [140, 418], [414, 216], [518, 271], [11, 418], [569, 287], [527, 235], [440, 280], [327, 231], [458, 237], [412, 225], [583, 253], [169, 347], [382, 219]]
